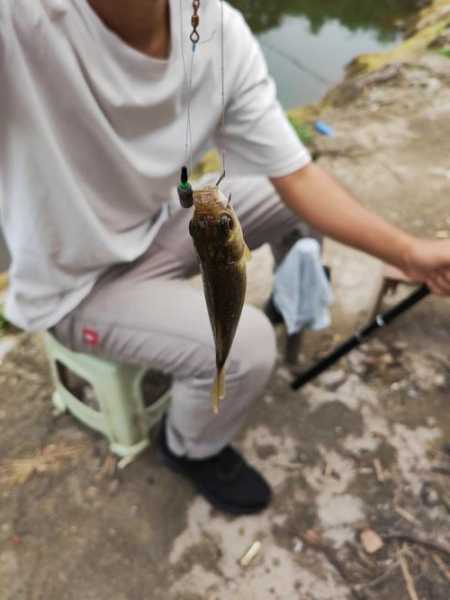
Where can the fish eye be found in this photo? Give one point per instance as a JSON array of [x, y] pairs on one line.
[[226, 222]]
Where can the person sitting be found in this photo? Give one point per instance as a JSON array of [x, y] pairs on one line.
[[92, 140]]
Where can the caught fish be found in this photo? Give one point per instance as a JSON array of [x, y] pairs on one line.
[[223, 254]]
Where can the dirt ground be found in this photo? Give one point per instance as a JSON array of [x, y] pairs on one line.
[[363, 448]]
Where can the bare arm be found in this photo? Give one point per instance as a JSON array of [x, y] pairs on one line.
[[318, 199]]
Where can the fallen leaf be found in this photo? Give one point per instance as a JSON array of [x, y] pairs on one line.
[[371, 541], [312, 537]]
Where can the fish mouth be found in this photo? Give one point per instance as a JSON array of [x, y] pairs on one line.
[[209, 201]]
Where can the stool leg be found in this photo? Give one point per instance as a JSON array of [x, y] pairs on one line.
[[57, 400], [115, 396], [58, 403]]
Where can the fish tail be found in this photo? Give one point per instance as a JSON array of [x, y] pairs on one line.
[[218, 389]]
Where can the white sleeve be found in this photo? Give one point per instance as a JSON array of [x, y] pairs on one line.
[[257, 137]]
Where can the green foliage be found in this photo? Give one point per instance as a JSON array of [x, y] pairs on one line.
[[303, 130], [381, 15], [3, 322], [444, 52]]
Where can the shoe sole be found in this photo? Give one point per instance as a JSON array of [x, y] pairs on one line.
[[222, 506]]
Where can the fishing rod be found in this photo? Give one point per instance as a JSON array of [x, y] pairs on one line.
[[358, 338], [296, 63]]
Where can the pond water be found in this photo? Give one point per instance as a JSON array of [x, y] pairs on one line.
[[307, 43]]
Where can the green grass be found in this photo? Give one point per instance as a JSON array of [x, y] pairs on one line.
[[444, 52], [303, 130], [4, 325]]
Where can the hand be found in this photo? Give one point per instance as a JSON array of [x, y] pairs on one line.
[[428, 261]]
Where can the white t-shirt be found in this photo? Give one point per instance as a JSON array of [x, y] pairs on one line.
[[92, 139]]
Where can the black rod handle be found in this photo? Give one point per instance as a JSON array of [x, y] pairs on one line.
[[358, 338]]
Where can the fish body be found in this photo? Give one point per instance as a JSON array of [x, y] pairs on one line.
[[223, 254]]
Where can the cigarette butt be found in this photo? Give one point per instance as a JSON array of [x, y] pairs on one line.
[[251, 554]]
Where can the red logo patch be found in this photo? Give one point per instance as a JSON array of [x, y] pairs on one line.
[[90, 337]]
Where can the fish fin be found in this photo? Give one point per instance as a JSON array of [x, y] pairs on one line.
[[247, 253], [218, 390]]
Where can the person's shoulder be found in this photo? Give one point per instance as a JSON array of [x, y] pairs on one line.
[[238, 38], [233, 19]]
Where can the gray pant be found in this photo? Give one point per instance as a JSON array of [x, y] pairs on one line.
[[147, 313]]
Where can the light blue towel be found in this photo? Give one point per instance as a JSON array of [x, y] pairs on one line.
[[301, 290]]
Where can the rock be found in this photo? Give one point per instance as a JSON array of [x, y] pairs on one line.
[[387, 359], [371, 541], [430, 497], [377, 346], [298, 545], [91, 492], [400, 346], [439, 381], [357, 362], [424, 375], [332, 379], [113, 487], [284, 374], [399, 385]]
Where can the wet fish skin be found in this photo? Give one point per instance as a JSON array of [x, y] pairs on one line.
[[223, 254]]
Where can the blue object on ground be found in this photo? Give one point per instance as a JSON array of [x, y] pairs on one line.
[[323, 128]]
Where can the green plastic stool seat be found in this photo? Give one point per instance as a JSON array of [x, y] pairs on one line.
[[122, 416]]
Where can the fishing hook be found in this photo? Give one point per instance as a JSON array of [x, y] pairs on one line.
[[220, 178]]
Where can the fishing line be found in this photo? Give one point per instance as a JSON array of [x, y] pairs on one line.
[[187, 92], [297, 63], [188, 77], [189, 122], [222, 76]]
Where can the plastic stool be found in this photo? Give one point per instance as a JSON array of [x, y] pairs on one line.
[[123, 417]]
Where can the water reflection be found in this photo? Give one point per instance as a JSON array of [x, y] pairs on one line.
[[308, 43], [380, 15]]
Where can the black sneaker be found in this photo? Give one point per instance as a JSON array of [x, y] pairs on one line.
[[229, 483]]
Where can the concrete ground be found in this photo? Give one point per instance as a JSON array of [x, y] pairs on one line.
[[357, 460]]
